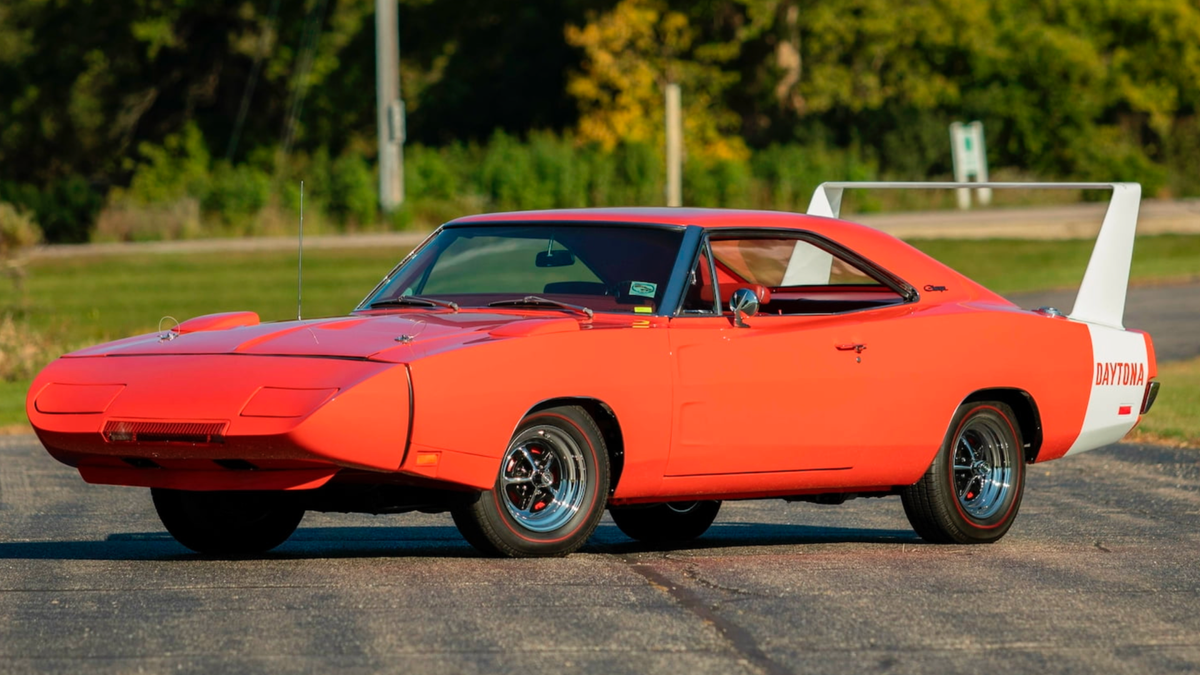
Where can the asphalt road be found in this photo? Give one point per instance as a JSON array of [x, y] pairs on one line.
[[1100, 574], [1170, 313]]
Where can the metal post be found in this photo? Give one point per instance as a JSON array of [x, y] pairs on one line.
[[390, 106], [984, 194], [674, 147], [958, 155]]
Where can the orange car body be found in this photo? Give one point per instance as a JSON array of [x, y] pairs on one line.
[[693, 406]]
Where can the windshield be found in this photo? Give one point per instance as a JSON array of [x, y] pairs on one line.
[[606, 268]]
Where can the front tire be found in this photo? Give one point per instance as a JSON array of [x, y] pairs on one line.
[[674, 521], [550, 490], [973, 488], [227, 523]]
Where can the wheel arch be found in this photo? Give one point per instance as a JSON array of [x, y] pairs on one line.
[[609, 426], [1029, 418]]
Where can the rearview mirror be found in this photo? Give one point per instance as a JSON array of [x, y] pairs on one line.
[[744, 302], [558, 258]]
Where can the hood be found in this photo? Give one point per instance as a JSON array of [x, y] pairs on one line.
[[393, 336]]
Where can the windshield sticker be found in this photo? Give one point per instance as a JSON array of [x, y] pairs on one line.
[[642, 288], [643, 310]]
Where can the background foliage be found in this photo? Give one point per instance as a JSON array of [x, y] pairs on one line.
[[179, 118]]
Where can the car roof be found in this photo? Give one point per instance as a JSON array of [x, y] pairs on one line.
[[844, 232], [658, 215], [883, 249]]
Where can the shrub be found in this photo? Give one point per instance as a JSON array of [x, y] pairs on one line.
[[507, 175], [353, 190], [18, 232], [1182, 154], [125, 221], [65, 209], [236, 193], [178, 168], [23, 351]]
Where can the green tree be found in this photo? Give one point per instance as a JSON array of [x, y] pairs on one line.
[[632, 53]]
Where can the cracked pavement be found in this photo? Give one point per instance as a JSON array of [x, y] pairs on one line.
[[1100, 574]]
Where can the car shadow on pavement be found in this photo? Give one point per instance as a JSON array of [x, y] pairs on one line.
[[609, 539], [436, 542], [306, 543]]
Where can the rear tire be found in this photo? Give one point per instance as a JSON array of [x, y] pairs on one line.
[[227, 523], [971, 492], [675, 521], [550, 489]]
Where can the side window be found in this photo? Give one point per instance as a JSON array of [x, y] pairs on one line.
[[798, 277], [700, 298]]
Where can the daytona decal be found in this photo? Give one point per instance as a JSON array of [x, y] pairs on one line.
[[1123, 374], [1117, 383]]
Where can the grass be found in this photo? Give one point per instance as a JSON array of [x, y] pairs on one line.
[[73, 302], [105, 297], [12, 403], [1176, 413], [1011, 266]]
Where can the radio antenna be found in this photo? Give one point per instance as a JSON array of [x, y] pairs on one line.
[[300, 258]]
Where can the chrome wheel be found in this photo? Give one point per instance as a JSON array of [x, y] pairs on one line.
[[544, 478], [982, 474]]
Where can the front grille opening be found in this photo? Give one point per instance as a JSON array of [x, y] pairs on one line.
[[235, 464], [140, 462], [117, 431]]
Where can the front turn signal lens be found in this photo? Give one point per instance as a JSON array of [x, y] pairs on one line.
[[76, 399], [285, 402]]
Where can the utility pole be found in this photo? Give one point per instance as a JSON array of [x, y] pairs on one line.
[[390, 105], [674, 146]]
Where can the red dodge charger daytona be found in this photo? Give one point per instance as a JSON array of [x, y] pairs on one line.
[[526, 371]]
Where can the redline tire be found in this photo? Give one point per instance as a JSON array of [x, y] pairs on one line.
[[230, 523], [550, 490], [972, 490], [674, 521]]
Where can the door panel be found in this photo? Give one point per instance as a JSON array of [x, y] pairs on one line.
[[778, 396]]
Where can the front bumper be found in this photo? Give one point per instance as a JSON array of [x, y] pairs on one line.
[[215, 422]]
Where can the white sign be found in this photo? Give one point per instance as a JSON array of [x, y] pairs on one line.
[[970, 160]]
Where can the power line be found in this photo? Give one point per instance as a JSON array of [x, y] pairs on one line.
[[263, 43], [312, 31]]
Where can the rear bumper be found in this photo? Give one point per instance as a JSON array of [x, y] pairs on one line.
[[217, 422]]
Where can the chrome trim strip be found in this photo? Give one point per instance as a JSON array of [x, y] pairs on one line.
[[362, 304], [411, 410]]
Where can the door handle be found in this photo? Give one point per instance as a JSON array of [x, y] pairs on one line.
[[856, 348]]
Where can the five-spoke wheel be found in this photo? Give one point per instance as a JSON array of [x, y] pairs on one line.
[[549, 492], [973, 488]]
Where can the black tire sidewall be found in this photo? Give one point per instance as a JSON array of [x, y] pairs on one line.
[[508, 535], [191, 519], [994, 526], [660, 523]]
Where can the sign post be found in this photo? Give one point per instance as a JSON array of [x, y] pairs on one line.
[[674, 146], [970, 161]]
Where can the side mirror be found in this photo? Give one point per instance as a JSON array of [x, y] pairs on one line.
[[559, 258], [744, 302]]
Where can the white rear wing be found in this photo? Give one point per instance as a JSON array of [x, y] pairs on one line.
[[1101, 298]]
